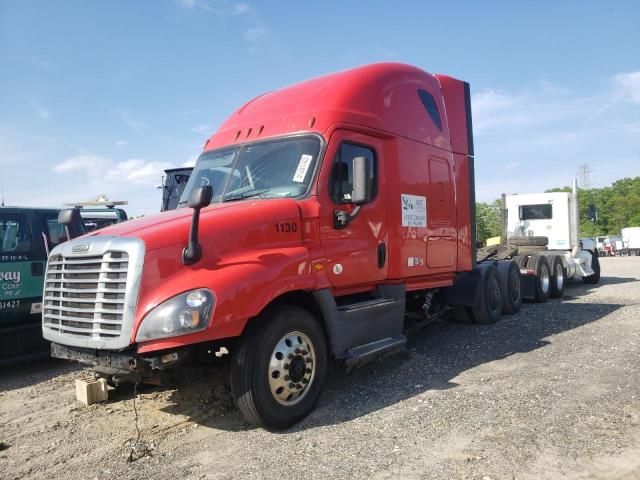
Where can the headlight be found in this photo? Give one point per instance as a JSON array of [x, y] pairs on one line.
[[185, 313]]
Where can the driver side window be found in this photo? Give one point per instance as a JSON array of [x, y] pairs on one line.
[[341, 182]]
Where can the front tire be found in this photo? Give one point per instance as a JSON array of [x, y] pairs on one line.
[[278, 371]]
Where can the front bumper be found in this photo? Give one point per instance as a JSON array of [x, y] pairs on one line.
[[123, 362]]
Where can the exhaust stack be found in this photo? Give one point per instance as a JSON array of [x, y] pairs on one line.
[[574, 217]]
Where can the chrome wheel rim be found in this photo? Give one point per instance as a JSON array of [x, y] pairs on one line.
[[559, 276], [292, 368], [544, 278]]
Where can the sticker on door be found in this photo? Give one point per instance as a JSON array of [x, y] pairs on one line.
[[414, 210]]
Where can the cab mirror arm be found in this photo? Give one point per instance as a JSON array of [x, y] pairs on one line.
[[200, 197]]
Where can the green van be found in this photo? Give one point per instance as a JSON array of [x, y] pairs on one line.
[[27, 235]]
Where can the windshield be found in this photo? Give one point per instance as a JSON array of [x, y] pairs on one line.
[[270, 169]]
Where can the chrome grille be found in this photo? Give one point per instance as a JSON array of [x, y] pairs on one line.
[[85, 297], [90, 293]]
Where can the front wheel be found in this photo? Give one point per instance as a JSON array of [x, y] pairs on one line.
[[278, 371]]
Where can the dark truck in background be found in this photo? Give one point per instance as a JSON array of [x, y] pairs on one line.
[[173, 184]]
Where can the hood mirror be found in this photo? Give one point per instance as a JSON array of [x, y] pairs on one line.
[[199, 198]]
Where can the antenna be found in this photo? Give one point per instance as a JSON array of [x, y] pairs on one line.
[[2, 190]]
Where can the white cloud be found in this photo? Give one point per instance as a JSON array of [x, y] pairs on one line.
[[211, 6], [41, 63], [202, 128], [254, 34], [628, 85], [217, 7], [191, 161], [134, 171], [43, 113], [91, 165], [131, 121], [240, 8], [137, 171], [493, 108], [538, 135], [257, 39], [122, 143]]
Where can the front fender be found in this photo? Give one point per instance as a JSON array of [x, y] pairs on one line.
[[244, 283]]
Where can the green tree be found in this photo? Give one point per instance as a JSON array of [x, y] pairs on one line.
[[488, 222]]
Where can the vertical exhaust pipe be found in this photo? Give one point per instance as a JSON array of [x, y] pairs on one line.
[[574, 219]]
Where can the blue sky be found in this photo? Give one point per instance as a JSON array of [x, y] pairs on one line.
[[100, 97]]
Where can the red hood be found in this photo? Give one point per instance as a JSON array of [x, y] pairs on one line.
[[170, 228]]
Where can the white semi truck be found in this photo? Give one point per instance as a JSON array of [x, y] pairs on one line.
[[630, 241], [544, 228]]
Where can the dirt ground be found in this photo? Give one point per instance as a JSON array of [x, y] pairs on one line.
[[552, 392]]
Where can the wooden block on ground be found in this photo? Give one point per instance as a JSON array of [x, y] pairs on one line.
[[91, 392]]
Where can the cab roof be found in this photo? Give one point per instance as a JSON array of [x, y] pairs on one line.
[[381, 96]]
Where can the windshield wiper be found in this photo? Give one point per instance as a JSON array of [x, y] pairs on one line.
[[242, 196]]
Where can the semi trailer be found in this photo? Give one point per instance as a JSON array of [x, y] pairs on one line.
[[323, 222], [630, 241]]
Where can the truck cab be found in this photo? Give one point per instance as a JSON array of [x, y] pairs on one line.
[[315, 220], [173, 184], [26, 237], [541, 214], [548, 225]]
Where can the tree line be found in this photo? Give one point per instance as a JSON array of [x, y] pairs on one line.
[[618, 206]]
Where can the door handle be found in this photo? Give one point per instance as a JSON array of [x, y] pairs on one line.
[[382, 254]]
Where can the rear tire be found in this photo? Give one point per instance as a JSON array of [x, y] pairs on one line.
[[521, 261], [489, 306], [462, 314], [595, 266], [278, 371], [510, 286], [558, 276], [540, 265]]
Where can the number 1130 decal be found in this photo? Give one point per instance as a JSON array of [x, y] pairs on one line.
[[286, 227]]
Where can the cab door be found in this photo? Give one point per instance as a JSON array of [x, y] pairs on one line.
[[356, 252]]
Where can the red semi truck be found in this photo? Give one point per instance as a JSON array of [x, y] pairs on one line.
[[326, 220]]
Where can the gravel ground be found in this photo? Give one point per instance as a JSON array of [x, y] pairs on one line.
[[552, 392]]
